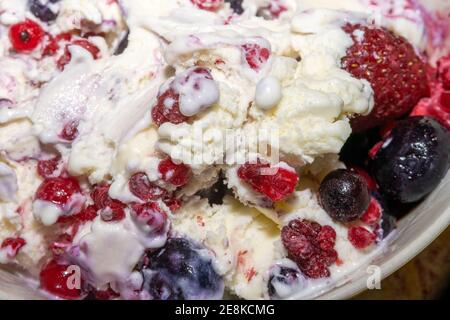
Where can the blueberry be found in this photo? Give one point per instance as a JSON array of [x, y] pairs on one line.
[[181, 270], [216, 192], [344, 195], [236, 5], [357, 146], [43, 9], [123, 44], [285, 280], [413, 160]]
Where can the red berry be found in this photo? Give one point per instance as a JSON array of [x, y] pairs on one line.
[[12, 246], [373, 152], [57, 279], [176, 174], [145, 190], [108, 294], [46, 168], [443, 66], [371, 184], [59, 246], [70, 131], [67, 56], [255, 55], [167, 108], [276, 8], [373, 214], [53, 43], [276, 186], [58, 190], [25, 36], [311, 246], [112, 210], [209, 5], [390, 64], [360, 237], [173, 203], [151, 214]]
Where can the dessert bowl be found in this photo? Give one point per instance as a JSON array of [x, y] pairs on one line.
[[195, 149], [414, 233]]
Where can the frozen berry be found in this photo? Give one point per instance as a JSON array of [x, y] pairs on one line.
[[285, 280], [58, 190], [209, 5], [311, 246], [175, 174], [12, 246], [181, 270], [150, 214], [110, 209], [277, 183], [255, 55], [390, 64], [360, 237], [344, 195], [25, 36], [61, 281], [70, 131], [144, 189], [85, 44], [46, 168], [167, 108], [45, 10], [373, 213], [356, 148], [236, 6], [413, 160], [53, 44]]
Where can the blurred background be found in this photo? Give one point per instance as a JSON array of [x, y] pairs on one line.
[[425, 277]]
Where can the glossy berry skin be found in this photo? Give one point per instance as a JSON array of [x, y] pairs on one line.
[[25, 36], [413, 160], [180, 271], [144, 189], [177, 174], [42, 10], [12, 245], [55, 277], [58, 190], [344, 195], [390, 64]]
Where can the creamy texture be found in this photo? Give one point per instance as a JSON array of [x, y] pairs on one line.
[[267, 77]]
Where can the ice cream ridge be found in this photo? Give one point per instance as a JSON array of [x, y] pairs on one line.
[[201, 149]]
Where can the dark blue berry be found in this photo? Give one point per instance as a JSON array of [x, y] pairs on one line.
[[43, 10], [413, 160], [290, 279], [344, 195], [236, 5], [356, 149], [123, 44], [181, 270]]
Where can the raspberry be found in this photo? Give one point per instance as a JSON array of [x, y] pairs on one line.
[[255, 55], [373, 214], [87, 214], [276, 186], [209, 5], [151, 214], [13, 245], [360, 237], [142, 188], [46, 168], [25, 36], [70, 131], [55, 279], [389, 63], [53, 43], [173, 203], [311, 246], [58, 190], [100, 196], [176, 174], [167, 108], [67, 56]]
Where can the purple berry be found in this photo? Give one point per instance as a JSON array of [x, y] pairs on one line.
[[344, 195], [285, 280], [236, 5], [45, 10], [181, 270], [413, 160]]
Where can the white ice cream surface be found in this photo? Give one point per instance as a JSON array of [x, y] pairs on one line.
[[237, 77]]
